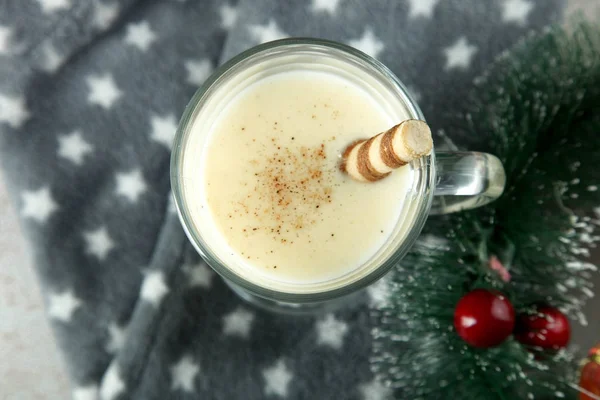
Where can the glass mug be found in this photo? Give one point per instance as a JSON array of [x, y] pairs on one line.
[[443, 182]]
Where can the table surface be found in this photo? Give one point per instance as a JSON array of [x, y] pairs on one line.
[[31, 367]]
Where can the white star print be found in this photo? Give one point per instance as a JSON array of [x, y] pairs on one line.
[[5, 39], [131, 185], [116, 337], [379, 293], [154, 288], [368, 43], [516, 11], [104, 14], [277, 378], [329, 6], [49, 6], [85, 393], [267, 33], [112, 384], [140, 35], [199, 275], [38, 204], [197, 71], [375, 390], [228, 16], [183, 374], [62, 305], [421, 8], [459, 55], [52, 60], [163, 129], [331, 332], [13, 111], [73, 148], [171, 206], [103, 90], [238, 322], [98, 243]]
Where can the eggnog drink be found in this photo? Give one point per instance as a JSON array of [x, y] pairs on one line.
[[265, 187]]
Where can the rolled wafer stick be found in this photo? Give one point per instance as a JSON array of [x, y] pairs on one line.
[[373, 159]]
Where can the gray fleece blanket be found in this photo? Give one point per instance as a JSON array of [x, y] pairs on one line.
[[90, 96]]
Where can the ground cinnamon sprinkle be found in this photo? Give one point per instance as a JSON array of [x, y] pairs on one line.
[[292, 184]]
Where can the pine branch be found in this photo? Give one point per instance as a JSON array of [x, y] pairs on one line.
[[539, 106]]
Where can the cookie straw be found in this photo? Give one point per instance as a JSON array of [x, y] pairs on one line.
[[373, 159]]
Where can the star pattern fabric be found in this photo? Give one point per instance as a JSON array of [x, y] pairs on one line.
[[199, 275], [154, 288], [50, 6], [85, 393], [140, 35], [112, 384], [331, 332], [197, 71], [267, 33], [378, 293], [98, 243], [229, 16], [163, 129], [88, 112], [277, 379], [63, 305], [516, 11], [131, 185], [329, 6], [5, 39], [183, 374], [368, 43], [117, 335], [13, 110], [421, 8], [73, 147], [104, 14], [52, 59], [459, 55], [238, 323], [38, 205], [103, 91], [375, 390]]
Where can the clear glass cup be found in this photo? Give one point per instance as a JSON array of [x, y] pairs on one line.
[[443, 182]]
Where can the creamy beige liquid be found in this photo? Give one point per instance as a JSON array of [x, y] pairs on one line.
[[270, 179]]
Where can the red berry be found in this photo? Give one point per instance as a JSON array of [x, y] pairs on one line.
[[548, 328], [484, 318]]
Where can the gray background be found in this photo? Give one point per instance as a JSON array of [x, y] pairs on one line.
[[31, 368]]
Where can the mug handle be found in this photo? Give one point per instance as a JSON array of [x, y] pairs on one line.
[[466, 180]]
